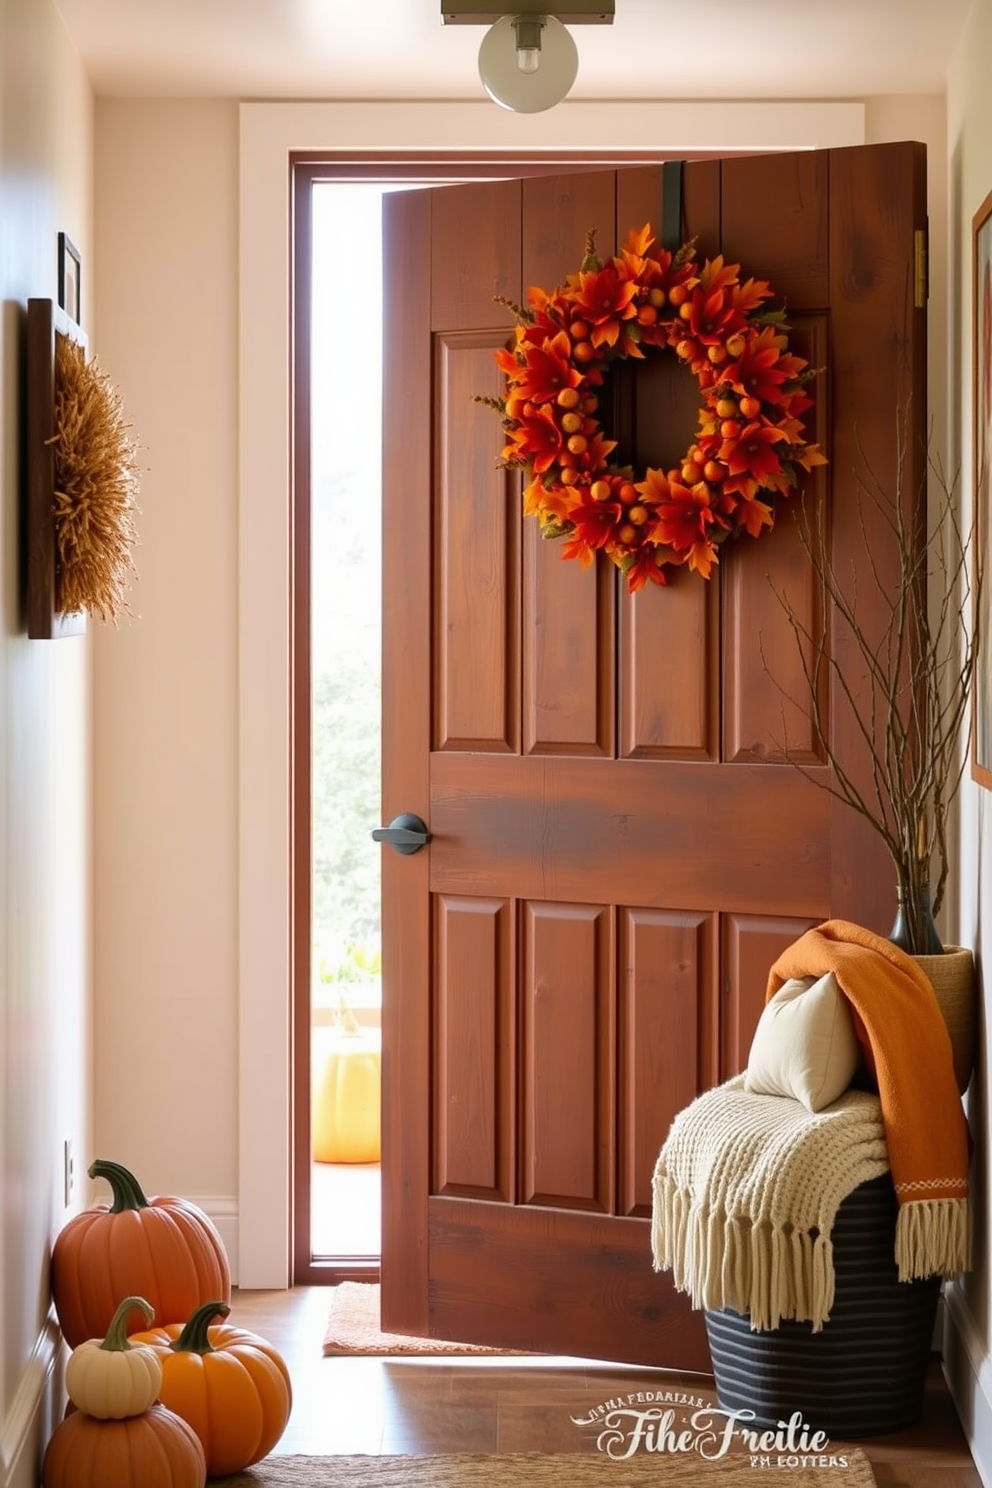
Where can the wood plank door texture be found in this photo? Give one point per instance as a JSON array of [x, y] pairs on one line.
[[620, 847]]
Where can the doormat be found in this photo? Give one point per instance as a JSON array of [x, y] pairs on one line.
[[353, 1328], [566, 1470]]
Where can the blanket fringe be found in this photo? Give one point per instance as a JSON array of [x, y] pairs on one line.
[[933, 1238], [766, 1271]]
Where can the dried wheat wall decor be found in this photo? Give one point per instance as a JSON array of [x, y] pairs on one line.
[[95, 488]]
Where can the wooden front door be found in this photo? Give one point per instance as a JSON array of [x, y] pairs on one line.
[[619, 847]]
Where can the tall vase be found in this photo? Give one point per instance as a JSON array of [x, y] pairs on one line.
[[914, 930], [950, 971]]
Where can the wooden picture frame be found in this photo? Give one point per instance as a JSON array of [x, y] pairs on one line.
[[70, 279], [981, 331], [45, 620]]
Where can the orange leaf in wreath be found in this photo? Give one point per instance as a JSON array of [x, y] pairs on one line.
[[639, 240], [547, 369], [752, 515], [810, 456], [684, 523], [549, 506], [749, 295], [646, 566], [537, 440], [752, 451], [595, 523], [758, 371], [710, 315], [604, 300]]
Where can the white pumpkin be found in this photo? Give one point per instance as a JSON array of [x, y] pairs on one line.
[[110, 1378]]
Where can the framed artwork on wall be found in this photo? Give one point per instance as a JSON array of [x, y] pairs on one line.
[[70, 299], [981, 335], [46, 618]]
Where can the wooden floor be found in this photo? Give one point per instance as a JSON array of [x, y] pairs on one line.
[[425, 1406]]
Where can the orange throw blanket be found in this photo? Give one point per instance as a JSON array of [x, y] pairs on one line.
[[907, 1047]]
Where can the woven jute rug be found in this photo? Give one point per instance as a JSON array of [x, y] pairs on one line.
[[850, 1469], [353, 1328]]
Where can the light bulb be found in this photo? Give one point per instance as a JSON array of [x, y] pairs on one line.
[[528, 33]]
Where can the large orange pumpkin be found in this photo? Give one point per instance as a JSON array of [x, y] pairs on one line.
[[230, 1385], [157, 1449], [163, 1249]]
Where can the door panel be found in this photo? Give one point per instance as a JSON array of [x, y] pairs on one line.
[[620, 848], [473, 1065], [468, 269], [764, 684], [700, 836], [669, 674], [568, 653], [567, 1067], [667, 1004], [476, 557]]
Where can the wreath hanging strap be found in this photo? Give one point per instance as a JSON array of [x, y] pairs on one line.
[[749, 440]]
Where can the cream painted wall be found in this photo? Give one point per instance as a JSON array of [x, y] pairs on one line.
[[165, 686], [969, 137], [45, 953]]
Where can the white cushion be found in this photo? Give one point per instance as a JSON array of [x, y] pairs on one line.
[[804, 1045]]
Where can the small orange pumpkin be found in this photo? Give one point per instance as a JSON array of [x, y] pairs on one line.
[[163, 1249], [230, 1385], [154, 1450]]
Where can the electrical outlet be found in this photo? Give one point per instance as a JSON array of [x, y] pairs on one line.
[[68, 1170]]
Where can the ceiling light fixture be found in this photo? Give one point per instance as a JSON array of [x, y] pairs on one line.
[[528, 60]]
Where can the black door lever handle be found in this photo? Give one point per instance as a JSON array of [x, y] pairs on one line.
[[407, 833]]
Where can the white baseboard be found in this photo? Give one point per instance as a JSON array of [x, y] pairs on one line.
[[968, 1370], [27, 1424], [222, 1209]]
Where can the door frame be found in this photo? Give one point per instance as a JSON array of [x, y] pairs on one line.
[[309, 170], [272, 138]]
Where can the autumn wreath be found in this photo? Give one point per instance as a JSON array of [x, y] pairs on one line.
[[749, 439]]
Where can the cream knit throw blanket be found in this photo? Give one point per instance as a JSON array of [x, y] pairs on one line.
[[746, 1190]]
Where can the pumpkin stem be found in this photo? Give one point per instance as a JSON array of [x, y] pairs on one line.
[[194, 1338], [125, 1187], [116, 1339]]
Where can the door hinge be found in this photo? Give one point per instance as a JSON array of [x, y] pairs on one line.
[[921, 275]]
